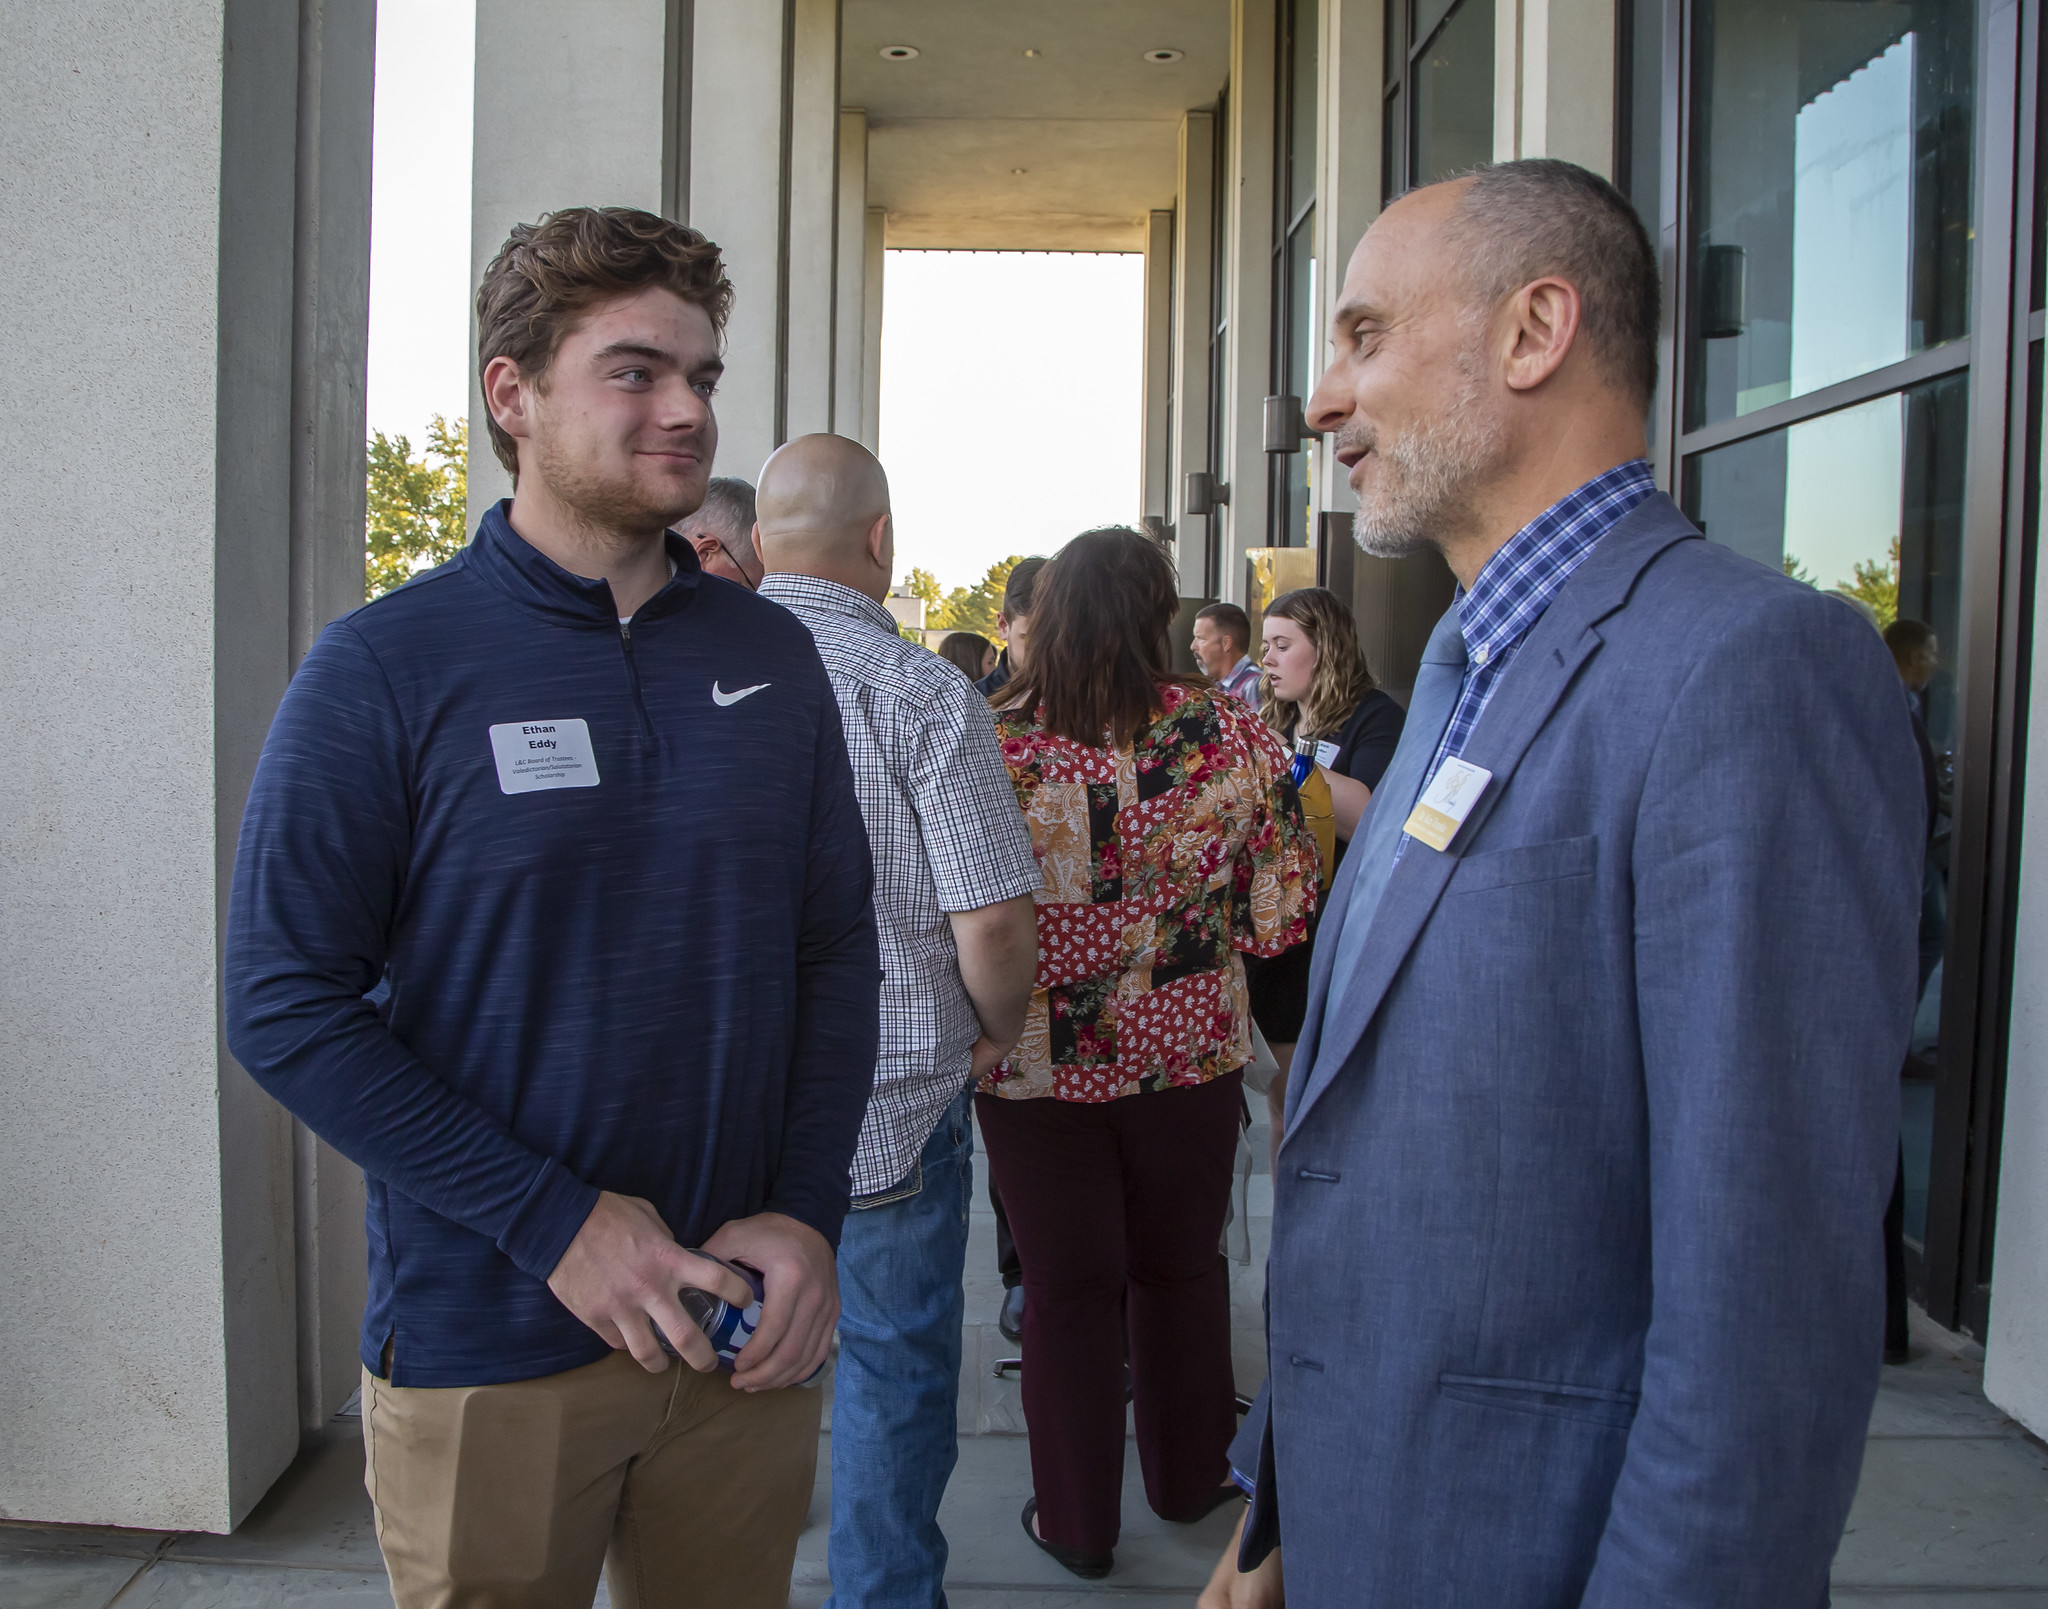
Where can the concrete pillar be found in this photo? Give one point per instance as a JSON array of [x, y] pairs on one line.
[[849, 338], [206, 312], [1351, 68], [1553, 74], [871, 331], [575, 106], [810, 340], [2016, 1345], [764, 184], [1248, 253], [1193, 246], [1155, 501]]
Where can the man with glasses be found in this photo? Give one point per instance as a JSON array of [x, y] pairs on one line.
[[722, 532]]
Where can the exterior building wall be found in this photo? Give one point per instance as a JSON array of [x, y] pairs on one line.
[[1248, 298], [1554, 81], [187, 233], [1153, 496], [1193, 244], [571, 105]]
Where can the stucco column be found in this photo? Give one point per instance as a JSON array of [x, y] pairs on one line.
[[181, 450], [1553, 73], [849, 333], [871, 330], [577, 105], [1154, 499], [1248, 250], [1194, 220]]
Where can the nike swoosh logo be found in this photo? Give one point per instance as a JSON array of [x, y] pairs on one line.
[[722, 699]]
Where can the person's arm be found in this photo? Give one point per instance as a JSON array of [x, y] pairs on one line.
[[1776, 865], [325, 848], [1231, 1588], [979, 850], [1348, 800], [831, 1074], [998, 947]]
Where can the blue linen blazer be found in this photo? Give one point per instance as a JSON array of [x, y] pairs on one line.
[[1575, 1294]]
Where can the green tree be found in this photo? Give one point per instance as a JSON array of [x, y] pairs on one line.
[[1877, 585], [1797, 571], [418, 512], [923, 584], [973, 608]]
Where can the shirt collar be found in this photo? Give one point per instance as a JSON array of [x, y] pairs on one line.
[[1518, 583], [794, 591]]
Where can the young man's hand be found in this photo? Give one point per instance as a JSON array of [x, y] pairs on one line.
[[1231, 1588], [801, 1306], [620, 1276]]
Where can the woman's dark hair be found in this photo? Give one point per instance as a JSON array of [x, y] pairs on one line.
[[967, 649], [1099, 619]]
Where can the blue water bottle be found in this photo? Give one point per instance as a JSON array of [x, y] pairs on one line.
[[1304, 758]]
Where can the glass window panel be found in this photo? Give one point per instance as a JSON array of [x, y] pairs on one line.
[[1454, 96], [1428, 13], [1831, 201], [1868, 501], [1302, 96], [1646, 110], [1393, 149]]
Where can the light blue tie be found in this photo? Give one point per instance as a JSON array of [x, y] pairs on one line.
[[1437, 683]]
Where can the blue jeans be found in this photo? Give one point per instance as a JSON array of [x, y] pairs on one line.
[[895, 1397]]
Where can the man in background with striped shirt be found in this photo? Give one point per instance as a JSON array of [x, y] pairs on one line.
[[954, 877]]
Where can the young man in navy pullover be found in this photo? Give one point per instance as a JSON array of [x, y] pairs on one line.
[[621, 1017]]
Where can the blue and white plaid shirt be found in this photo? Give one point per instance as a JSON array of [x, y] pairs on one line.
[[1518, 583]]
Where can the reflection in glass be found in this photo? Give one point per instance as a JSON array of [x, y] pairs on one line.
[[1302, 95], [1831, 193], [1867, 502], [1454, 95]]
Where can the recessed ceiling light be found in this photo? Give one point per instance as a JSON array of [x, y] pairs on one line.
[[1034, 53], [1164, 55], [899, 52], [1019, 172]]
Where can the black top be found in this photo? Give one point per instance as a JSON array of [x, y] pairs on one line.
[[1365, 742], [996, 680]]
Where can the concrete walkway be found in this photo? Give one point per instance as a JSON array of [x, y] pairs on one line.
[[1952, 1513]]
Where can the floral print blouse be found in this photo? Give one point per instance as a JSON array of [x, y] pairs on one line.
[[1161, 861]]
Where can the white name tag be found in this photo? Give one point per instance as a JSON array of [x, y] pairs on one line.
[[1446, 802], [1326, 754], [533, 755]]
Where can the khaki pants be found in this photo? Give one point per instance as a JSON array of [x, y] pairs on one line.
[[687, 1492]]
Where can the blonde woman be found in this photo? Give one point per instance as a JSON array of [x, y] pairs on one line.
[[1316, 685]]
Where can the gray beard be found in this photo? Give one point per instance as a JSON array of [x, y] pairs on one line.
[[1428, 474]]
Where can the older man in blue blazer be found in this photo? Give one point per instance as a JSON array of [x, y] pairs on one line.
[[1575, 1295]]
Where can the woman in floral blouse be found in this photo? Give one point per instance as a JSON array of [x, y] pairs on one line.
[[1171, 842]]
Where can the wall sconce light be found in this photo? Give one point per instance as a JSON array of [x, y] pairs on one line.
[[1724, 280], [1202, 493], [1286, 430]]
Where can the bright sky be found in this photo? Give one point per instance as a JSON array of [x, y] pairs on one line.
[[1011, 415], [419, 214], [1010, 380]]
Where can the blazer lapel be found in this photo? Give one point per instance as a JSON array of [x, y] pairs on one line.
[[1363, 875], [1544, 667]]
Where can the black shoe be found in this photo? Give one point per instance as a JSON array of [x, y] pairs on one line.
[[1010, 1318], [1088, 1566]]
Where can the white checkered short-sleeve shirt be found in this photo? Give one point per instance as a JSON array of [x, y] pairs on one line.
[[947, 835]]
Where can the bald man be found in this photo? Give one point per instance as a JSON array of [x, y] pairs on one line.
[[954, 876]]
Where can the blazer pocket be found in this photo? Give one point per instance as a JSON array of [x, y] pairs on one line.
[[1528, 863], [1557, 1398]]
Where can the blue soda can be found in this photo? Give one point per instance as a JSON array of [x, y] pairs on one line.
[[727, 1327]]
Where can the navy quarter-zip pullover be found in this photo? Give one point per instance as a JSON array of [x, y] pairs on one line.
[[616, 886]]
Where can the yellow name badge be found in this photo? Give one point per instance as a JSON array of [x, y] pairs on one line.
[[1446, 802]]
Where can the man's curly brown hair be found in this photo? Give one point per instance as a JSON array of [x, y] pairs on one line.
[[548, 274]]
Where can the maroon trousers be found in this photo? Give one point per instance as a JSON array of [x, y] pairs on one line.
[[1117, 1207]]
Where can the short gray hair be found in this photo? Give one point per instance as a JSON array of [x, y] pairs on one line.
[[729, 501], [1520, 221]]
